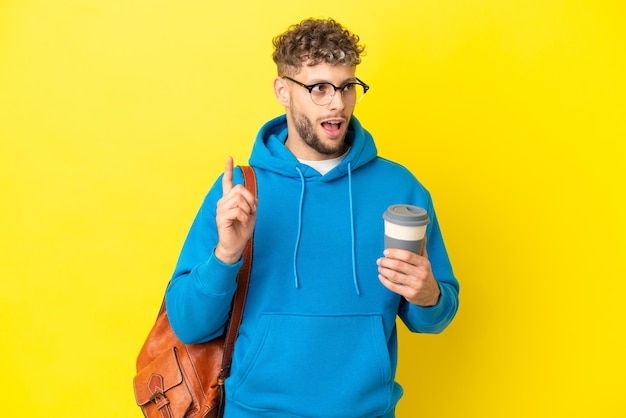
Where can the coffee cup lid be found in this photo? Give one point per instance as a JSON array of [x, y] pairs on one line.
[[406, 215]]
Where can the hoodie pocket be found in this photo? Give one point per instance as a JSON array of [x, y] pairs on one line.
[[316, 366]]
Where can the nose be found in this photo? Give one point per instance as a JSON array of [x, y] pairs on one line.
[[336, 102]]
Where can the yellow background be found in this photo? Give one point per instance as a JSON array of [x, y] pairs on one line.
[[117, 115]]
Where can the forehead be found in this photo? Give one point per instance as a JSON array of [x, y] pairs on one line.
[[337, 74]]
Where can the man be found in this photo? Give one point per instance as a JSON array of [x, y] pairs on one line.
[[318, 336]]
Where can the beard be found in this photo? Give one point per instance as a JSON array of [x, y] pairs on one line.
[[306, 129]]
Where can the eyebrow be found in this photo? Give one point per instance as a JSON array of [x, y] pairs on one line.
[[343, 83]]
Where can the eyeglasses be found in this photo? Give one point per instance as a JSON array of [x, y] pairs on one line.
[[324, 93]]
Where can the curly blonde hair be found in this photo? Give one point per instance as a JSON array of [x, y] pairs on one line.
[[313, 41]]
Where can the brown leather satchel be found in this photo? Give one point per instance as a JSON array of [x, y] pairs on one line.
[[176, 380]]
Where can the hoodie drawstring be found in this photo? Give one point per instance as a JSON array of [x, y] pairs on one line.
[[352, 234], [354, 278], [295, 251]]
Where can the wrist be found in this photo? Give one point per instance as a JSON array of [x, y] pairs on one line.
[[224, 256], [437, 294]]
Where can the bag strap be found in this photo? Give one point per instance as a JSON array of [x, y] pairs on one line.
[[243, 279]]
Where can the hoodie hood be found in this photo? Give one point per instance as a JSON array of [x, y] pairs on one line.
[[269, 152]]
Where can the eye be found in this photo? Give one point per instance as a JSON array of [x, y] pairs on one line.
[[348, 88], [321, 88]]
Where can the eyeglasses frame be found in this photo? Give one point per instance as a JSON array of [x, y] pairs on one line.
[[310, 88]]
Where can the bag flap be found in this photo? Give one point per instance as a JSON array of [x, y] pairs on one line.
[[158, 377]]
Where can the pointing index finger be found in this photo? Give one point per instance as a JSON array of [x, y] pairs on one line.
[[227, 179]]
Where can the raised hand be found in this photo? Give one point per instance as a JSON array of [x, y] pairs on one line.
[[235, 217]]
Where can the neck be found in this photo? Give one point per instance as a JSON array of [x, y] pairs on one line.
[[304, 151]]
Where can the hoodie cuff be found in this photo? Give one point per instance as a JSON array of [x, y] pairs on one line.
[[217, 278], [435, 314]]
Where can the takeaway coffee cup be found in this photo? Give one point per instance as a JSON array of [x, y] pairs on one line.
[[405, 227]]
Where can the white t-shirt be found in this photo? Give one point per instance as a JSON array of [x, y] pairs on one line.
[[324, 166]]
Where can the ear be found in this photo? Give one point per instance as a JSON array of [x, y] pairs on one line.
[[281, 91]]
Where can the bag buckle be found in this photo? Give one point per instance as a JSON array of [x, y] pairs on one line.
[[156, 385], [158, 397]]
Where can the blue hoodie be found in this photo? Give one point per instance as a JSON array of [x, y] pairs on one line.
[[318, 336]]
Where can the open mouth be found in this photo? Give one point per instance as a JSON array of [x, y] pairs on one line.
[[332, 127]]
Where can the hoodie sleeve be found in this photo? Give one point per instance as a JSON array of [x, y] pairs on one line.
[[434, 319], [199, 296]]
